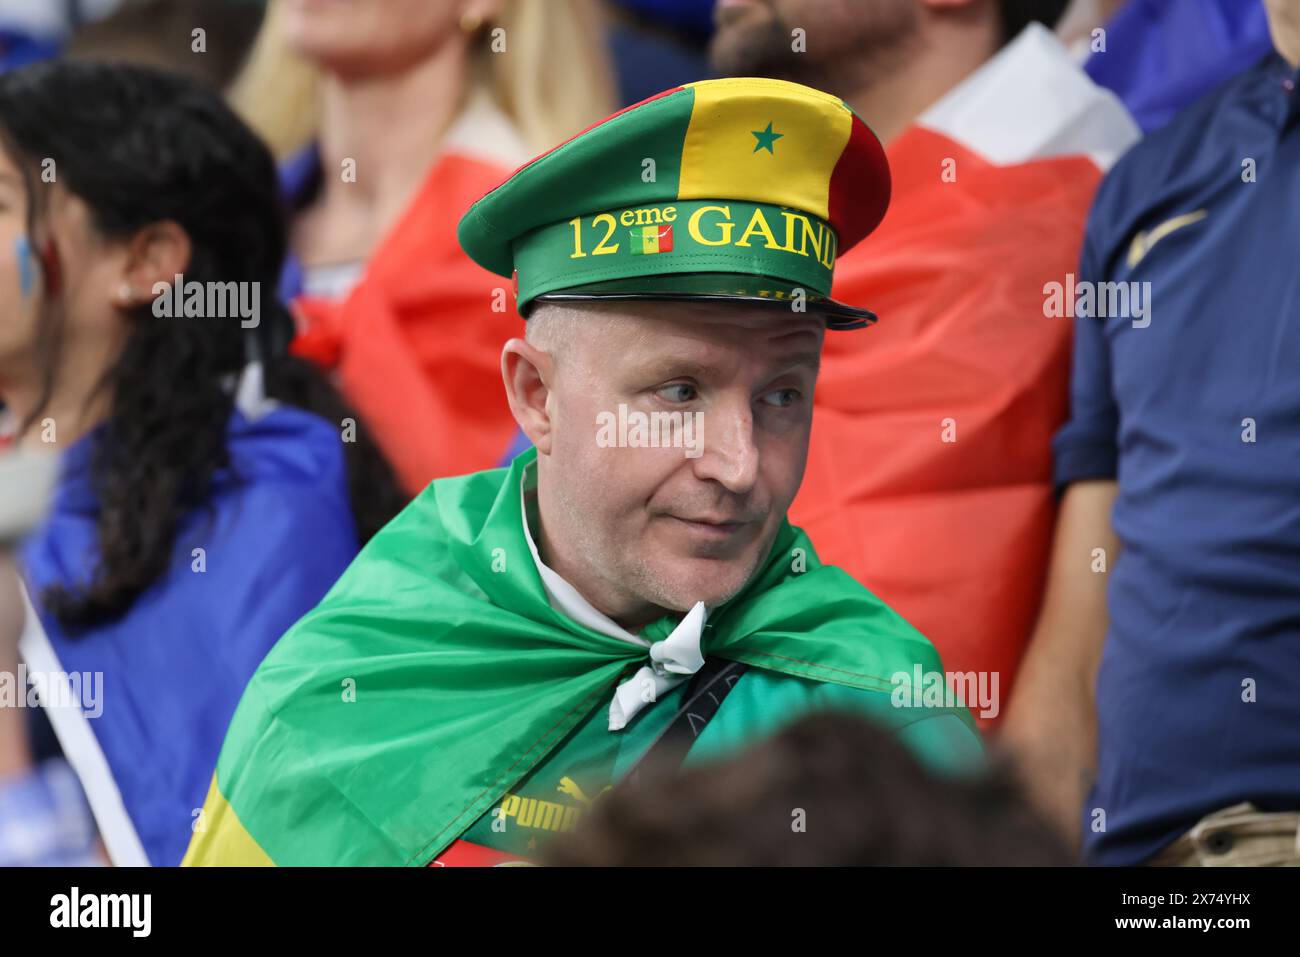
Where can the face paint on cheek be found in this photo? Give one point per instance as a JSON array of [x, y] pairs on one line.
[[25, 256]]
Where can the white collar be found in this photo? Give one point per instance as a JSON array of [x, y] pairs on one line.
[[672, 660], [1031, 101], [484, 131]]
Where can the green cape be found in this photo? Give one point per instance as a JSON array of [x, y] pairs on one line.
[[435, 675]]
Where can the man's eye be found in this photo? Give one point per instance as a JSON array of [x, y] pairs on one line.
[[678, 392], [782, 397]]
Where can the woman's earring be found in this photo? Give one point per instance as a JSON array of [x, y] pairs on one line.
[[470, 22], [125, 294]]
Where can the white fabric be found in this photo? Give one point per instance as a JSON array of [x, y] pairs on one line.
[[82, 750], [672, 660], [482, 130], [250, 393], [333, 281], [1032, 101]]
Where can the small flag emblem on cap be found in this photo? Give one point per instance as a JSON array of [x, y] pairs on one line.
[[647, 240]]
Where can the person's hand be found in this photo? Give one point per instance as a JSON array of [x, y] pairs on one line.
[[1051, 723]]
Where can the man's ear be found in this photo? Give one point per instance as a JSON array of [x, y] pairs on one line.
[[155, 254], [528, 373]]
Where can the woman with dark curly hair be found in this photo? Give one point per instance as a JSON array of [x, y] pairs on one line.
[[212, 488]]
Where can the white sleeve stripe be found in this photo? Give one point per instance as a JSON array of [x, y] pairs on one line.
[[81, 748]]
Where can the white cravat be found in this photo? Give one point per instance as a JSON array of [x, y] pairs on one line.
[[672, 660]]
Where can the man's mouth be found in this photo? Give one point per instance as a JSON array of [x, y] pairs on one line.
[[714, 528]]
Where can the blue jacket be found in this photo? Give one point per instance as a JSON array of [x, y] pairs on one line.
[[276, 533]]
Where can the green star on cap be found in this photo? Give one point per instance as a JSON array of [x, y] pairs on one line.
[[766, 139]]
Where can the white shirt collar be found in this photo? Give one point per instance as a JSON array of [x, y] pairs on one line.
[[1032, 101], [483, 130], [672, 660]]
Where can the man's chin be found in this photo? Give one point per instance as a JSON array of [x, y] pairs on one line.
[[707, 580]]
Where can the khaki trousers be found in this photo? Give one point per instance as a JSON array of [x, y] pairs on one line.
[[1238, 836]]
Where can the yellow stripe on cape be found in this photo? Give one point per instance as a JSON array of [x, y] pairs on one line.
[[220, 839]]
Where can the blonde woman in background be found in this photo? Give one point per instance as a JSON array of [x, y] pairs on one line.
[[392, 116]]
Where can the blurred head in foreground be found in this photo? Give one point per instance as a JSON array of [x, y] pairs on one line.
[[829, 790]]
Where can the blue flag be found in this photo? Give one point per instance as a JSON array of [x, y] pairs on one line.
[[1162, 55], [158, 687]]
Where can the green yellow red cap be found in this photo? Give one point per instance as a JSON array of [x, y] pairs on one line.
[[739, 188]]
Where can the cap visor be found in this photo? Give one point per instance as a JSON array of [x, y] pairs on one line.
[[716, 287]]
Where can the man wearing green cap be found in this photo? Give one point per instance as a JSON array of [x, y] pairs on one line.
[[629, 590]]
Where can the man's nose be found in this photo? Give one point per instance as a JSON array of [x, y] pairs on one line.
[[729, 453]]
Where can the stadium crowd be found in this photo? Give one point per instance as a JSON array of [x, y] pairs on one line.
[[245, 321]]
